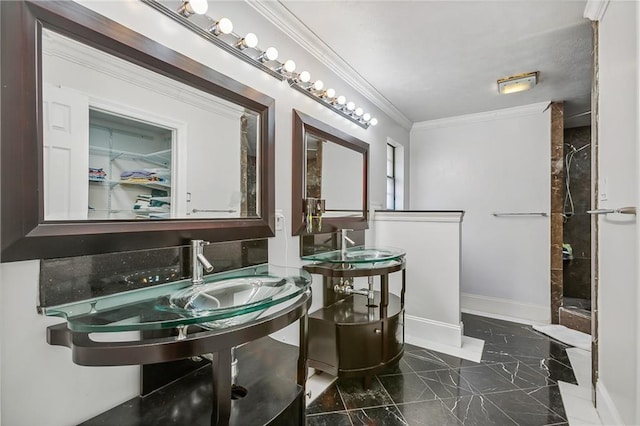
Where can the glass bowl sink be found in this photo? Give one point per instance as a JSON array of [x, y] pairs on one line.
[[243, 298], [223, 300], [360, 254]]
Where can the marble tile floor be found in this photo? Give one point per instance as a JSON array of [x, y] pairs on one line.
[[516, 383]]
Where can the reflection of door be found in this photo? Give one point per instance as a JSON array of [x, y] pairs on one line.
[[66, 153]]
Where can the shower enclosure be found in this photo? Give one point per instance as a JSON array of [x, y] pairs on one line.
[[576, 307]]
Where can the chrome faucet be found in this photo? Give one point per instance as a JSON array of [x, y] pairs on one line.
[[199, 263], [344, 240]]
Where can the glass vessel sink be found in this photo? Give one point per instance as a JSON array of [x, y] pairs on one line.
[[225, 299], [359, 254], [245, 297]]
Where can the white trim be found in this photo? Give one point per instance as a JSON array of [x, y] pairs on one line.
[[595, 9], [605, 407], [479, 117], [490, 306], [425, 332], [289, 24], [407, 216]]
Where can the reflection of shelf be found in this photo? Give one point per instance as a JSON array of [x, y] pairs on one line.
[[151, 184], [161, 158]]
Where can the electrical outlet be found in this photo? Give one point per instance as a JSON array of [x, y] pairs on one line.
[[279, 220], [604, 188]]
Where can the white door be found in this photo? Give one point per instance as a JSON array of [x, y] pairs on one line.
[[66, 153]]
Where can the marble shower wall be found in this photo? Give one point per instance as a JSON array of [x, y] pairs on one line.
[[577, 228], [557, 183]]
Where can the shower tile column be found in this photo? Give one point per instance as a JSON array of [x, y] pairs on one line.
[[557, 200]]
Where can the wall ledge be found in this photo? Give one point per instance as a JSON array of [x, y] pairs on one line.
[[419, 216], [595, 9]]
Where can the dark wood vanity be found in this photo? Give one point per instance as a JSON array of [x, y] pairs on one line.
[[349, 336]]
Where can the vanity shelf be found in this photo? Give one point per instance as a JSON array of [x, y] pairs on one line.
[[235, 321], [351, 335]]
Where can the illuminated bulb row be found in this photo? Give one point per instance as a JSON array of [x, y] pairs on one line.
[[287, 68]]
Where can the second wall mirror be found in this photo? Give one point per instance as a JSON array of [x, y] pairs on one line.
[[330, 178]]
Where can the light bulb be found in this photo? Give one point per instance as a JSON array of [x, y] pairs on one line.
[[341, 100], [351, 106], [318, 85], [359, 111], [366, 117], [330, 93], [190, 7], [249, 41], [304, 76], [223, 26], [373, 121], [289, 66], [271, 54]]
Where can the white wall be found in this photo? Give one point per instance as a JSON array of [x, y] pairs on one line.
[[484, 163], [617, 387], [81, 391]]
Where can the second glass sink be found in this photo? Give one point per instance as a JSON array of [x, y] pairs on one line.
[[360, 254]]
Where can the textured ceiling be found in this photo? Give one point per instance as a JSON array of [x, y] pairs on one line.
[[436, 59]]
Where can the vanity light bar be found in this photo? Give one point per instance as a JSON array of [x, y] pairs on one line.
[[246, 48]]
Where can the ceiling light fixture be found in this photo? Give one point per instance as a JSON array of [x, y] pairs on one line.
[[246, 48], [517, 83]]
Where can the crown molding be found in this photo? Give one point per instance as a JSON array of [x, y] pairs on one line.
[[288, 23], [595, 9], [483, 116]]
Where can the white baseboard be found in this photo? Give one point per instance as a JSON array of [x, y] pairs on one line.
[[422, 331], [494, 307], [605, 406]]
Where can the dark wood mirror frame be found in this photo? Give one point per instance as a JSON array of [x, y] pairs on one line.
[[24, 233], [303, 124]]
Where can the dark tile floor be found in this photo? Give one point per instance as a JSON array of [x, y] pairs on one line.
[[514, 384]]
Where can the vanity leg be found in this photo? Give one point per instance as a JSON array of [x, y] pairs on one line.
[[303, 351], [221, 380], [366, 382], [384, 295], [404, 281], [303, 354]]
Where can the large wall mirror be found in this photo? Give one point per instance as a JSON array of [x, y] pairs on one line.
[[112, 142], [332, 167]]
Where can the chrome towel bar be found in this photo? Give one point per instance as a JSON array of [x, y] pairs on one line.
[[621, 210], [497, 214], [213, 211]]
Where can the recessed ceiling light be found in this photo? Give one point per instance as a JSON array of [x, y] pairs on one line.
[[517, 83]]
